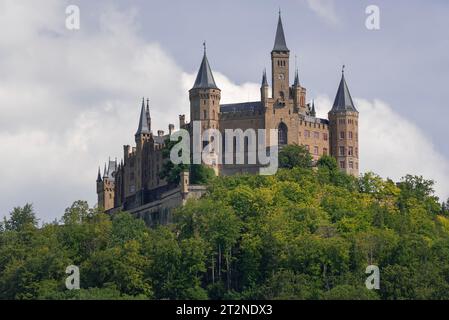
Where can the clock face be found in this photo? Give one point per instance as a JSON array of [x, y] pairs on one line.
[[281, 76]]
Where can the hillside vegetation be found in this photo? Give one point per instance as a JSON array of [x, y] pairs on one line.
[[300, 234]]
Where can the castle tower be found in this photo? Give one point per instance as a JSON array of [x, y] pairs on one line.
[[280, 57], [205, 106], [297, 92], [344, 130], [205, 97], [142, 136], [106, 186]]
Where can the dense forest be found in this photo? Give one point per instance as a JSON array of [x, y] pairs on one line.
[[304, 233]]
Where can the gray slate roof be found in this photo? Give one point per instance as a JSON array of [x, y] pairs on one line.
[[264, 79], [296, 83], [343, 100], [279, 42], [241, 107], [143, 121], [205, 78]]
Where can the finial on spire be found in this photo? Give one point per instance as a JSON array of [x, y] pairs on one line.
[[204, 46], [343, 69], [279, 11], [148, 103]]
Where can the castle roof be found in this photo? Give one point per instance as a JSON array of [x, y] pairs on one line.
[[279, 42], [99, 175], [343, 101], [296, 83], [241, 107], [205, 78], [143, 121], [264, 79]]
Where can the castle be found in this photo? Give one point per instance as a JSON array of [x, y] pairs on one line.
[[134, 184]]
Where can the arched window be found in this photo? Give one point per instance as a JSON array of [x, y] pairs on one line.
[[282, 95], [282, 134]]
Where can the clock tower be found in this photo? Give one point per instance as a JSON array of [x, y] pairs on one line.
[[280, 57]]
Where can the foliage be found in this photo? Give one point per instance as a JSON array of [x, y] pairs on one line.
[[294, 155], [199, 173], [300, 234]]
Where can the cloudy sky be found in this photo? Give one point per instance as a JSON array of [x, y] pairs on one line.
[[69, 99]]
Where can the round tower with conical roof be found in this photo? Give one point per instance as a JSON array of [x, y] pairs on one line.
[[344, 130]]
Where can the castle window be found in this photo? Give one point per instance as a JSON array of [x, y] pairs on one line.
[[350, 151], [282, 134], [350, 135], [357, 152], [315, 150], [342, 151], [342, 165], [307, 147], [316, 135], [204, 114], [306, 134], [342, 135], [351, 165], [281, 94], [325, 136]]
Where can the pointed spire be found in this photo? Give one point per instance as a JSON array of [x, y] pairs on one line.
[[264, 78], [148, 115], [99, 175], [143, 121], [296, 83], [279, 42], [205, 78], [343, 100], [313, 111]]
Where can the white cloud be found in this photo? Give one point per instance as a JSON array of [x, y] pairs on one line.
[[393, 147], [325, 9], [68, 100]]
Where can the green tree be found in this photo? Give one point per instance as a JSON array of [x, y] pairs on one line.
[[292, 156], [328, 162], [21, 218]]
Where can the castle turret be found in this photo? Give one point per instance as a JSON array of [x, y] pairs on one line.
[[280, 56], [205, 97], [312, 110], [106, 186], [142, 137], [143, 129], [264, 87], [296, 92], [344, 130]]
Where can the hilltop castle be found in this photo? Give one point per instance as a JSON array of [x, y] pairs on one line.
[[134, 183]]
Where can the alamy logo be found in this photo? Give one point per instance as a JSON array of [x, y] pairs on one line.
[[373, 20], [72, 282], [211, 148], [72, 21], [373, 280]]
